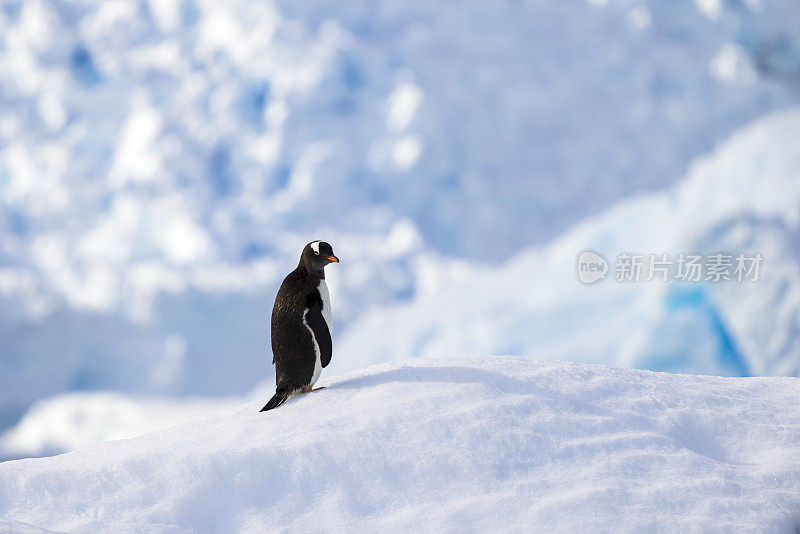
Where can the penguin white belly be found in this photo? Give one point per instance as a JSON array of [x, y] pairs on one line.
[[326, 305], [317, 352], [317, 366]]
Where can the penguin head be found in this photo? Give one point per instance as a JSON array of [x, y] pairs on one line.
[[316, 255]]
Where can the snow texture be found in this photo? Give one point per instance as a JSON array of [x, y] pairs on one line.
[[74, 420], [486, 443]]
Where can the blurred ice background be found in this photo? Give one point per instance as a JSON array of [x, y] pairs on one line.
[[163, 162]]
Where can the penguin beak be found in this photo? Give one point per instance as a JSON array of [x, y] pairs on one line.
[[334, 259]]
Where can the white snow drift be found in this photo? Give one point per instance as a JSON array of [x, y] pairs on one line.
[[73, 420], [492, 443]]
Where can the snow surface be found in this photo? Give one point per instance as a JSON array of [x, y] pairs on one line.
[[162, 161], [485, 443], [74, 420]]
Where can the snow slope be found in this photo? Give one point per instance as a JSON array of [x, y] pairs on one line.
[[488, 443], [66, 422]]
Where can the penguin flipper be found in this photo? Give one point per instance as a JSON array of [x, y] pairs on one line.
[[279, 398], [319, 328]]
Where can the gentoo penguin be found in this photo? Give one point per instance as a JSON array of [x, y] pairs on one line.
[[301, 325]]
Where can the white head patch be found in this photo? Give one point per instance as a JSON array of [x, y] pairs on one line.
[[315, 247]]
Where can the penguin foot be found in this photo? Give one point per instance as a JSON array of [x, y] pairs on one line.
[[308, 389], [319, 388]]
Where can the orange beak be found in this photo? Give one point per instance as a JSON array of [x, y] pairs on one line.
[[334, 259]]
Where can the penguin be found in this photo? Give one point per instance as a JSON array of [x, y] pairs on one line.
[[301, 325]]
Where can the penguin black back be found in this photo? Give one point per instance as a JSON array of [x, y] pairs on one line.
[[301, 325]]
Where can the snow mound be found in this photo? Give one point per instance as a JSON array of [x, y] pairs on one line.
[[73, 420], [486, 443]]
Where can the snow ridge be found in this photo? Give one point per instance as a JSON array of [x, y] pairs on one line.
[[504, 443]]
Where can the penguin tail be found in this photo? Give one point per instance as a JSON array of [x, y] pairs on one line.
[[279, 398]]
